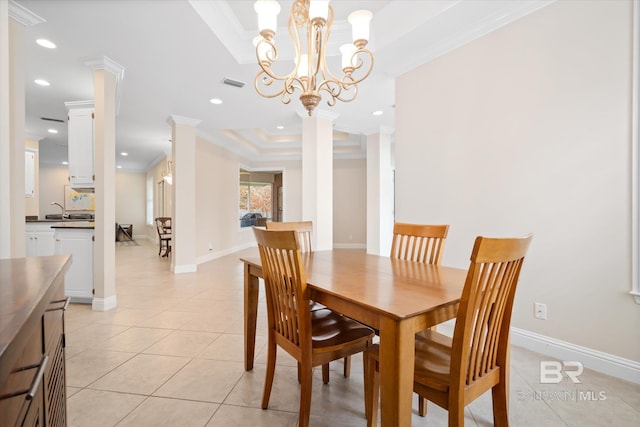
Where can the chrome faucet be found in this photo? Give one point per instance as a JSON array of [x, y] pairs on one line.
[[64, 214]]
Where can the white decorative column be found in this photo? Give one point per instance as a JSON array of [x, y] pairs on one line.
[[13, 19], [106, 76], [183, 223], [5, 135], [317, 177], [379, 193]]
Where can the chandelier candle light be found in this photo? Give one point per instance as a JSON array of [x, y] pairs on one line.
[[311, 74]]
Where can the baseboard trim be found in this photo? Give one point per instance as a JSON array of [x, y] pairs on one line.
[[104, 304], [219, 254], [185, 268], [605, 363], [349, 246]]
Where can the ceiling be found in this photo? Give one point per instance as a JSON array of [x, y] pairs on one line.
[[176, 53]]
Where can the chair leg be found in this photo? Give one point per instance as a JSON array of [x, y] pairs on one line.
[[456, 412], [325, 373], [305, 396], [371, 390], [499, 395], [347, 366], [271, 367], [422, 406]]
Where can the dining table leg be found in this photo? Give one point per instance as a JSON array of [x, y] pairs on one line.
[[250, 316], [397, 348]]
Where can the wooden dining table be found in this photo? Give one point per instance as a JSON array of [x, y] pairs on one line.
[[396, 297]]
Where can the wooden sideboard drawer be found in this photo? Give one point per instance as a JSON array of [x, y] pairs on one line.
[[14, 401]]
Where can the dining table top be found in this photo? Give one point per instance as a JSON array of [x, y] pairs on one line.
[[393, 287]]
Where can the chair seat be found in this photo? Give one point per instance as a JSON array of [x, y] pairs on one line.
[[432, 359], [330, 329], [314, 306]]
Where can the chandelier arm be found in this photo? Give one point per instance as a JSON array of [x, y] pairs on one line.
[[266, 80], [348, 79]]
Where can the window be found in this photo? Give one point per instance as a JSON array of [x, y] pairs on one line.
[[255, 198]]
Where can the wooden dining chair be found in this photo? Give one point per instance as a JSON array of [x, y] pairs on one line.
[[163, 226], [452, 372], [313, 338], [420, 243], [303, 230]]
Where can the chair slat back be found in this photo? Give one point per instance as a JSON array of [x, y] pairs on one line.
[[286, 285], [162, 224], [303, 230], [418, 242], [481, 334]]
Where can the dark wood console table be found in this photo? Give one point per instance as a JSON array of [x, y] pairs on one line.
[[32, 360]]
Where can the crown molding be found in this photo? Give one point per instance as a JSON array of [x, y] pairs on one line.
[[179, 120], [23, 15], [107, 64]]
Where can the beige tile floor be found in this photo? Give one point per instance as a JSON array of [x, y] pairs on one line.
[[171, 354]]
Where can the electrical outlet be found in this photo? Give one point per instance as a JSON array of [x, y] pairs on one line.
[[540, 310]]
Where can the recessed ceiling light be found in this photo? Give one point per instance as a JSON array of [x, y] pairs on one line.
[[280, 127], [119, 167], [46, 43], [378, 113], [124, 154], [42, 82], [215, 101], [52, 131], [65, 163]]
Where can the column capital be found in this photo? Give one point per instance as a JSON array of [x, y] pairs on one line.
[[386, 130], [107, 64], [179, 120]]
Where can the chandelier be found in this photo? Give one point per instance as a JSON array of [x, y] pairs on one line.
[[310, 23]]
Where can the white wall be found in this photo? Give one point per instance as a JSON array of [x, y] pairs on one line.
[[350, 203], [131, 189], [528, 130], [52, 182]]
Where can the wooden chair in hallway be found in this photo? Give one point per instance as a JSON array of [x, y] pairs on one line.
[[452, 372], [163, 226], [303, 230], [313, 338], [420, 243]]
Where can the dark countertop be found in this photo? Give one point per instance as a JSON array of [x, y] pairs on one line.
[[75, 224], [56, 220]]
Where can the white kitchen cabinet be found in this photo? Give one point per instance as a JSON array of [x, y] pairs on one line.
[[78, 242], [40, 239], [81, 145]]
